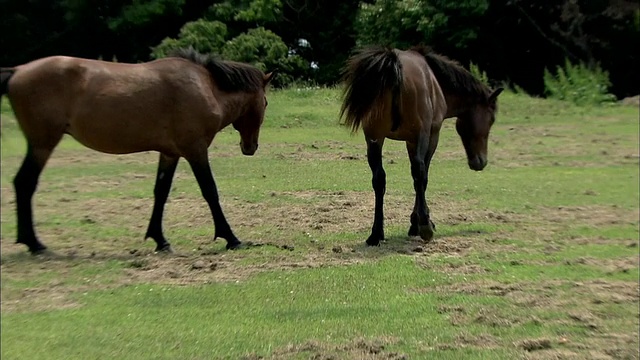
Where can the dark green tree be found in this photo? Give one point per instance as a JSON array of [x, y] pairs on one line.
[[448, 26]]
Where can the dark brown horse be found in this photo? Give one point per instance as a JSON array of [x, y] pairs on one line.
[[406, 95], [174, 106]]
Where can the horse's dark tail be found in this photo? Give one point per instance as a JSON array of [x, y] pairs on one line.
[[369, 75], [5, 75]]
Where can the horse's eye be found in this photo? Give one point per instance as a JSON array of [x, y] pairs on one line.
[[266, 102]]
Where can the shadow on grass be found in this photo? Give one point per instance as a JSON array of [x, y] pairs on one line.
[[447, 239]]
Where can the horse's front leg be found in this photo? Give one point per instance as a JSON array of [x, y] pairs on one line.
[[418, 154], [199, 163], [379, 182]]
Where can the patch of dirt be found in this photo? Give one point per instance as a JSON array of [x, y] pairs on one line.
[[631, 101], [310, 213], [583, 303], [534, 344], [361, 348], [550, 294], [45, 298], [610, 265], [554, 354], [465, 340], [594, 215]]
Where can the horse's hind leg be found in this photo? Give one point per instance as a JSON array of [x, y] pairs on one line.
[[199, 163], [166, 169], [420, 222], [25, 184], [379, 183]]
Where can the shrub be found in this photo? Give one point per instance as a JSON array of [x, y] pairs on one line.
[[204, 36], [479, 74], [579, 84], [259, 47], [266, 50]]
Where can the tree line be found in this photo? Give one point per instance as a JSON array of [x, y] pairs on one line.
[[513, 41]]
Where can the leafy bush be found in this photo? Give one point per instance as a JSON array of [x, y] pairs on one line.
[[479, 74], [259, 47], [403, 23], [266, 50], [204, 36], [579, 84]]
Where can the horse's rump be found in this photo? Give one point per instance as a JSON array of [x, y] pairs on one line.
[[374, 81], [390, 93]]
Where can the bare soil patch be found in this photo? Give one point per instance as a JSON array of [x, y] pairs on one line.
[[306, 215], [593, 215], [361, 348], [581, 304]]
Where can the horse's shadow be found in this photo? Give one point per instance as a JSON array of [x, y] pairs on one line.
[[127, 255], [26, 257], [392, 245], [412, 245]]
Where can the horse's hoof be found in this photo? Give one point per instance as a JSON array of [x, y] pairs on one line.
[[426, 232], [413, 230], [235, 246], [43, 251], [374, 240], [166, 249]]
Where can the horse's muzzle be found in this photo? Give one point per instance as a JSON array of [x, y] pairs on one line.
[[248, 149], [478, 163]]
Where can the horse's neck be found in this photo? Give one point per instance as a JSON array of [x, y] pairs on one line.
[[234, 106], [457, 105]]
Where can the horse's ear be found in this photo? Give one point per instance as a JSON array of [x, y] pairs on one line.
[[494, 94], [268, 77]]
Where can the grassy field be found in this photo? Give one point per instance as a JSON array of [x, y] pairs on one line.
[[535, 257]]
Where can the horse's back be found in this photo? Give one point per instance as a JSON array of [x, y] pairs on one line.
[[110, 107], [422, 103]]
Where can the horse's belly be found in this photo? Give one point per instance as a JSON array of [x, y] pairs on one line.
[[114, 142]]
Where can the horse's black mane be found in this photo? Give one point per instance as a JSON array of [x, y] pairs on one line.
[[230, 76], [450, 74]]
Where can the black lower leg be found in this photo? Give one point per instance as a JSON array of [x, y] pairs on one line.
[[25, 184], [164, 178], [202, 172], [378, 181], [420, 222]]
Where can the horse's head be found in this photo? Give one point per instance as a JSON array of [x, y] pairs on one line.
[[248, 125], [474, 125]]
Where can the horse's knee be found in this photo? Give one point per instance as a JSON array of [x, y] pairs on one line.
[[379, 180], [26, 180]]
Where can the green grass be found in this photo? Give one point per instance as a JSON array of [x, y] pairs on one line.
[[542, 245]]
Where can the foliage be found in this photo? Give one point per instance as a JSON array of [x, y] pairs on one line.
[[261, 10], [407, 22], [260, 47], [268, 52], [513, 40], [141, 12], [479, 74], [204, 36], [579, 84]]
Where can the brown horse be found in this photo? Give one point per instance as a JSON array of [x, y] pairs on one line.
[[406, 95], [174, 106]]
